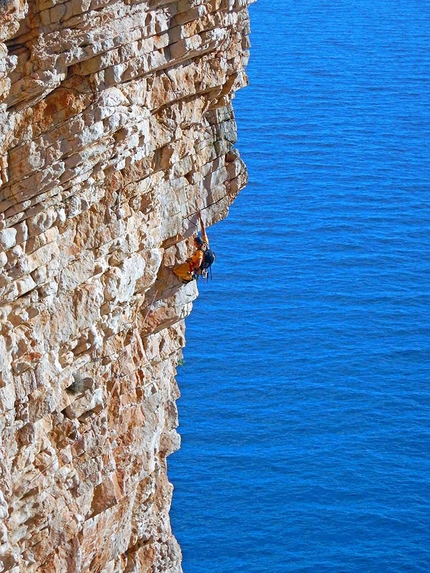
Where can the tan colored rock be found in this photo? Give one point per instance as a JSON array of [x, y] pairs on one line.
[[116, 129]]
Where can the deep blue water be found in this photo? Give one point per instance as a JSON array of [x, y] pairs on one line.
[[305, 408]]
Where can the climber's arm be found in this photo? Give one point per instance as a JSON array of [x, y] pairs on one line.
[[203, 230]]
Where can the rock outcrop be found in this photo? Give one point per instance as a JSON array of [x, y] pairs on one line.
[[116, 129]]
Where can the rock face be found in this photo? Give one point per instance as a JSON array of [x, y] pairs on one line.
[[116, 129]]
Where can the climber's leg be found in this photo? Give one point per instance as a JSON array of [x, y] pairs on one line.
[[183, 273]]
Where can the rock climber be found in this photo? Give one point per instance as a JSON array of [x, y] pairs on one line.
[[190, 270]]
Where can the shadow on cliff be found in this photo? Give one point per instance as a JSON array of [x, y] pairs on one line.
[[168, 301]]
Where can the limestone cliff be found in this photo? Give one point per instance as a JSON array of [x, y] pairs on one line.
[[116, 129]]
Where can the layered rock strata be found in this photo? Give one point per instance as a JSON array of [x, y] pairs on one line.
[[116, 129]]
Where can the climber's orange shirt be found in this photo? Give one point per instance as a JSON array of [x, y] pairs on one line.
[[197, 259]]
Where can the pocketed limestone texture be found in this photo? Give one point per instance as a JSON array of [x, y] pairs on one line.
[[116, 129]]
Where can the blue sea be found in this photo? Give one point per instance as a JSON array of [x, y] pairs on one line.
[[305, 408]]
